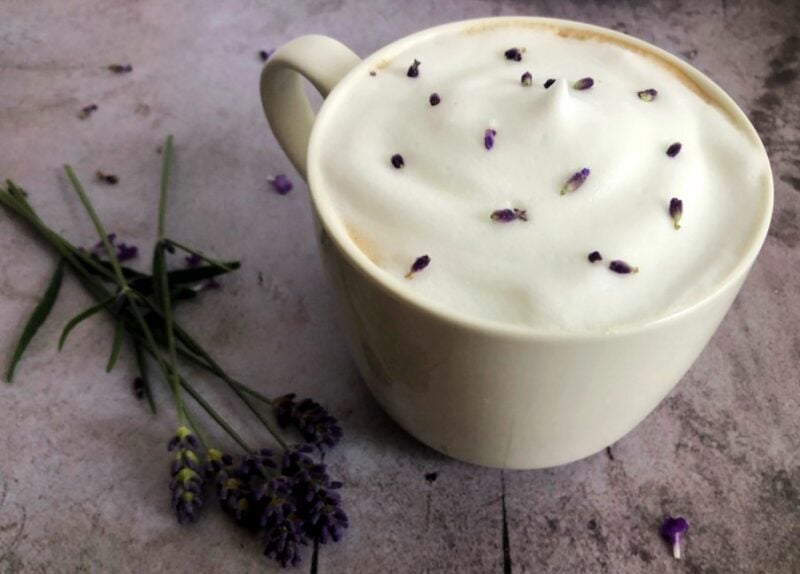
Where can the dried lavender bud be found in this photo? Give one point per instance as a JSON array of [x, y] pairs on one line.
[[647, 95], [316, 425], [108, 178], [488, 138], [526, 79], [577, 180], [413, 69], [595, 256], [549, 83], [87, 111], [120, 68], [281, 184], [126, 252], [265, 54], [674, 149], [419, 264], [507, 215], [676, 211], [398, 161], [192, 260], [186, 484], [434, 99], [138, 388], [622, 268], [514, 54], [583, 84], [672, 529]]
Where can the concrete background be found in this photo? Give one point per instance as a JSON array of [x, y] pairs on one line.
[[83, 469]]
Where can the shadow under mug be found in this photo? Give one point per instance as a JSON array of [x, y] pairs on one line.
[[490, 394]]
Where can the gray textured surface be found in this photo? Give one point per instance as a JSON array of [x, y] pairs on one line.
[[82, 464]]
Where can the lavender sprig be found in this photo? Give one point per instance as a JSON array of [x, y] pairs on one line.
[[672, 529], [676, 211], [315, 424], [187, 483], [576, 181]]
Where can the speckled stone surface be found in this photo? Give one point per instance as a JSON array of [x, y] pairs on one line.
[[83, 468]]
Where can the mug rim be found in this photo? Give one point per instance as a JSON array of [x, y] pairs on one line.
[[326, 213]]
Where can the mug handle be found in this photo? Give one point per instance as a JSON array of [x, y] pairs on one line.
[[322, 61]]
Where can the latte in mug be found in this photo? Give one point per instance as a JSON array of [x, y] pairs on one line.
[[528, 174]]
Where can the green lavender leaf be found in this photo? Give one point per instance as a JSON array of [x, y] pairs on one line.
[[37, 318], [116, 346], [82, 316]]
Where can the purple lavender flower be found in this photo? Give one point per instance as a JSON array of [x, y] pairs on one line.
[[672, 529], [526, 79], [216, 462], [434, 99], [595, 256], [314, 492], [575, 181], [508, 215], [186, 483], [413, 69], [280, 184], [647, 95], [514, 54], [398, 161], [549, 83], [283, 541], [193, 260], [126, 252], [315, 424], [419, 264], [488, 138], [622, 267], [676, 211], [583, 84], [674, 149]]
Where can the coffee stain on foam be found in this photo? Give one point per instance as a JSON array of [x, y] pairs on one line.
[[629, 44]]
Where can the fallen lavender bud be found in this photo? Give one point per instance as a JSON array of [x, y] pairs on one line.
[[398, 161], [576, 181], [674, 149], [676, 211], [434, 99], [488, 138], [583, 84], [672, 529], [281, 184], [108, 178], [508, 215], [622, 267], [413, 69], [120, 68], [595, 256], [526, 79], [514, 54], [549, 83], [419, 264], [87, 111], [647, 95]]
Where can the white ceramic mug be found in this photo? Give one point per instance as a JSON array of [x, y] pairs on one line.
[[503, 396]]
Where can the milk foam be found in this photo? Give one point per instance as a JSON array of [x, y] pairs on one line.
[[536, 272]]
